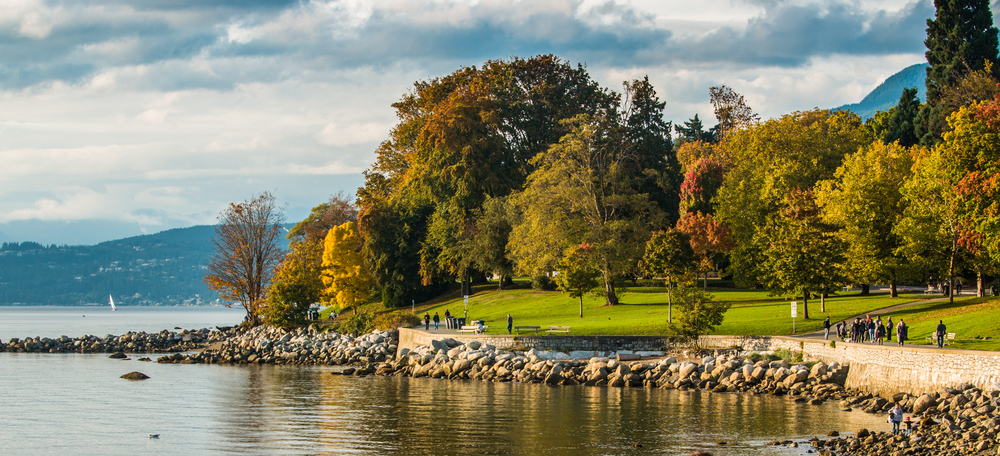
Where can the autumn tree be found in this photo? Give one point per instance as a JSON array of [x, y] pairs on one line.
[[960, 39], [246, 251], [339, 209], [668, 254], [932, 222], [296, 286], [864, 201], [582, 192], [698, 313], [732, 111], [577, 276], [709, 239], [701, 183], [772, 160], [344, 271]]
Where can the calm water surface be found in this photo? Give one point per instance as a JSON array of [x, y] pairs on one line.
[[76, 404]]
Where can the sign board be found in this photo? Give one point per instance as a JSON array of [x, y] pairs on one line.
[[795, 309]]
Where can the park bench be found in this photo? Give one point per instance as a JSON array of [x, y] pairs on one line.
[[527, 329], [559, 329], [472, 329], [932, 339]]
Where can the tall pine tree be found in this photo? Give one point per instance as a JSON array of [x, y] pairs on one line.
[[901, 120], [961, 38]]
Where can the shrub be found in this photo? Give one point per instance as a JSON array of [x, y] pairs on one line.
[[785, 354], [358, 324], [391, 320], [833, 344], [542, 283]]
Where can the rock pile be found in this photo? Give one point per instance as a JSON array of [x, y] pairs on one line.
[[268, 345], [473, 360], [132, 342]]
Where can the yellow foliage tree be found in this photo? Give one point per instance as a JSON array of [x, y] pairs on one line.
[[347, 280]]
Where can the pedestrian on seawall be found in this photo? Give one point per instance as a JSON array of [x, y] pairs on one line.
[[510, 323], [437, 320], [427, 321], [940, 333], [826, 328]]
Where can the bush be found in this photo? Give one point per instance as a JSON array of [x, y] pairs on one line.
[[542, 283], [391, 320], [358, 324]]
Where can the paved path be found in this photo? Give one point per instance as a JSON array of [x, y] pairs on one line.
[[882, 311]]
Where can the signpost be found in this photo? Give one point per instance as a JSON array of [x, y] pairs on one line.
[[795, 314], [466, 299]]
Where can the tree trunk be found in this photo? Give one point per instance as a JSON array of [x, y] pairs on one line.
[[705, 283], [893, 293], [980, 286], [822, 303], [951, 270], [610, 298], [670, 304], [865, 290], [581, 306], [805, 304]]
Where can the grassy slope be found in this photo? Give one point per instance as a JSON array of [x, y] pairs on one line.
[[967, 319], [644, 310]]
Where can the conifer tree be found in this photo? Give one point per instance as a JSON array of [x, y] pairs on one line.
[[901, 127], [960, 39]]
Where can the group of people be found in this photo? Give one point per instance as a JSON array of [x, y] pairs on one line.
[[896, 417], [869, 330], [480, 326]]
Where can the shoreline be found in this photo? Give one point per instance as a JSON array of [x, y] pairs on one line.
[[959, 421]]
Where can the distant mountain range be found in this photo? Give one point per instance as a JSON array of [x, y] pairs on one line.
[[165, 268], [886, 95]]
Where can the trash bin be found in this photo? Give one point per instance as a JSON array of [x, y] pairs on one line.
[[450, 323], [459, 322]]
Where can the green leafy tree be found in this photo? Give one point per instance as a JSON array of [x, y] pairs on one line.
[[344, 272], [669, 254], [864, 201], [337, 210], [732, 111], [694, 130], [770, 161], [577, 276], [803, 253], [932, 222], [295, 288], [698, 313], [901, 121], [582, 192], [961, 38]]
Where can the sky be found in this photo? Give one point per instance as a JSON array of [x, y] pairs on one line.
[[120, 118]]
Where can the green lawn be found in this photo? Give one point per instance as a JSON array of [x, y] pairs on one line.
[[967, 318], [643, 311]]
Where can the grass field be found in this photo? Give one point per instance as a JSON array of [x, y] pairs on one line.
[[967, 318], [643, 310]]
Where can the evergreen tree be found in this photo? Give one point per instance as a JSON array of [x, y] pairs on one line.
[[647, 136], [901, 120], [693, 130], [960, 39]]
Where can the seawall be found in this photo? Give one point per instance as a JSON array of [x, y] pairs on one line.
[[880, 369]]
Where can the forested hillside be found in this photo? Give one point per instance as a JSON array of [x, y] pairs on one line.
[[158, 269]]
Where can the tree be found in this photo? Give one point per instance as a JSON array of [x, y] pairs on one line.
[[697, 312], [701, 183], [732, 111], [771, 160], [693, 130], [931, 226], [669, 254], [344, 272], [576, 275], [297, 285], [901, 121], [709, 239], [337, 210], [802, 253], [582, 192], [864, 201], [961, 38], [246, 251]]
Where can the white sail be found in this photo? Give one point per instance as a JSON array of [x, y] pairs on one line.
[[113, 308]]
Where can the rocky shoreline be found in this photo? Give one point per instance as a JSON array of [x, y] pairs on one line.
[[952, 421]]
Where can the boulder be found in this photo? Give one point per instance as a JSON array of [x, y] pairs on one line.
[[118, 355], [135, 376], [439, 345], [474, 344], [687, 369], [818, 370], [923, 403]]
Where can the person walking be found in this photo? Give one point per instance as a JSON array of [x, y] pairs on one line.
[[889, 329], [840, 330], [510, 323], [427, 321], [826, 328], [941, 332], [896, 416], [437, 320], [900, 332], [871, 329], [879, 332]]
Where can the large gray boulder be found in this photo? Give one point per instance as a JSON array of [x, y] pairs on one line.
[[923, 403], [687, 369], [439, 345]]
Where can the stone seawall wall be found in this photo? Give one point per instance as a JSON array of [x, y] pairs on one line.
[[885, 369], [409, 338]]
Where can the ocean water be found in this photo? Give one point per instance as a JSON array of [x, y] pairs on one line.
[[74, 404]]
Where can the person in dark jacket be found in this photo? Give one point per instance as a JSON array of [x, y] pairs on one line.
[[427, 321], [510, 323], [826, 328], [900, 332], [941, 332], [437, 320]]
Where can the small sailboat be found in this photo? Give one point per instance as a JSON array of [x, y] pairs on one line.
[[113, 308]]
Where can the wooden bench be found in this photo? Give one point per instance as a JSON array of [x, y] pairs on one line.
[[527, 329], [932, 339], [559, 329], [472, 329]]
